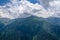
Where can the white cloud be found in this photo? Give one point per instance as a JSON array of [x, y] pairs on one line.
[[53, 6], [23, 9]]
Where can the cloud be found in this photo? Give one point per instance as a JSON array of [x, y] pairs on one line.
[[23, 9], [53, 6]]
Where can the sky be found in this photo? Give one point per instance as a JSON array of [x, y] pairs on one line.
[[3, 2], [33, 1], [24, 8]]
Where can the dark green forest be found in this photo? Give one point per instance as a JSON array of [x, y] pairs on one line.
[[31, 28]]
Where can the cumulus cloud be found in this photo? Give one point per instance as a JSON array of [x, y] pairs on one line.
[[55, 7], [23, 9], [52, 6]]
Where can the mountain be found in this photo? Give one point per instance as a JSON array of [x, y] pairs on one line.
[[1, 29], [54, 20], [28, 29], [6, 21], [54, 26], [1, 25], [24, 25]]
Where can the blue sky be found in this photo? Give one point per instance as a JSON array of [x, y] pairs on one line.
[[33, 1], [3, 2]]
